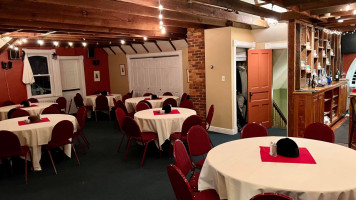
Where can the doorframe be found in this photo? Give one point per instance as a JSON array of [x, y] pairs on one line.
[[81, 70]]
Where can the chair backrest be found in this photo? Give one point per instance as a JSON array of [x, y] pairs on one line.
[[171, 101], [184, 97], [209, 118], [9, 144], [33, 100], [319, 131], [147, 94], [101, 102], [126, 96], [253, 130], [193, 120], [198, 141], [353, 105], [120, 115], [142, 106], [10, 112], [131, 93], [62, 103], [271, 196], [51, 110], [78, 100], [167, 94], [62, 131], [147, 102], [19, 113], [8, 103], [187, 104], [181, 157], [115, 102], [122, 106], [81, 117], [179, 183], [131, 127]]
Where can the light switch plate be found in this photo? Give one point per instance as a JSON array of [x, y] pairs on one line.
[[223, 78]]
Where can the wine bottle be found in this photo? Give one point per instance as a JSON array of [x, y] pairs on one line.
[[337, 75]]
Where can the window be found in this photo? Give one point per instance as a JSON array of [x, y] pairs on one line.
[[39, 66]]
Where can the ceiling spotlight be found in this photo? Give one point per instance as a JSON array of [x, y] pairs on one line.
[[340, 20], [354, 12], [16, 48], [7, 38], [160, 7], [84, 44], [161, 22], [70, 43], [24, 40], [122, 41], [19, 42], [11, 46], [347, 8], [163, 31], [160, 27], [40, 42], [160, 16], [145, 38], [55, 43]]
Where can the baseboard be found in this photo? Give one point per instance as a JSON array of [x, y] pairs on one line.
[[223, 130]]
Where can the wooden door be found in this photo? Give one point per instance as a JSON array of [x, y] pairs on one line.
[[259, 86]]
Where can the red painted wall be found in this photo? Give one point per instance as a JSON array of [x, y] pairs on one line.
[[17, 90], [347, 61]]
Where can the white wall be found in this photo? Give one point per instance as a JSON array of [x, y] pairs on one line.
[[280, 68]]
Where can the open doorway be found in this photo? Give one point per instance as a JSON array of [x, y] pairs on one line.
[[241, 87]]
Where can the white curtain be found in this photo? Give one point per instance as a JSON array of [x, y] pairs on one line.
[[27, 75]]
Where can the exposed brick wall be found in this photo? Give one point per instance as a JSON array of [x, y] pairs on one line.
[[196, 60]]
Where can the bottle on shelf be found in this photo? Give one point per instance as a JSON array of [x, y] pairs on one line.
[[331, 77], [337, 75], [313, 82]]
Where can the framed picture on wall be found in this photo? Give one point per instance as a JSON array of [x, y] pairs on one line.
[[96, 76], [122, 70]]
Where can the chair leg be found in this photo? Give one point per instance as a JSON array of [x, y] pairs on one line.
[[80, 144], [96, 117], [170, 148], [144, 154], [352, 135], [109, 114], [211, 143], [50, 156], [75, 154], [26, 168], [160, 152], [122, 139], [85, 139], [127, 149]]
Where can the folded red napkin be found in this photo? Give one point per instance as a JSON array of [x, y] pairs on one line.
[[157, 112], [18, 107], [304, 157], [45, 119], [146, 99]]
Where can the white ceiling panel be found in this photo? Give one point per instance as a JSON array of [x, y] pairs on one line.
[[128, 49], [139, 48], [108, 51], [116, 49], [152, 48], [180, 44], [165, 46]]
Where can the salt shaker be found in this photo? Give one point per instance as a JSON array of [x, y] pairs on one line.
[[271, 149]]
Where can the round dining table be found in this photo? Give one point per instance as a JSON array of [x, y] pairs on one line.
[[236, 171], [34, 109], [156, 103], [34, 135], [163, 124], [90, 100]]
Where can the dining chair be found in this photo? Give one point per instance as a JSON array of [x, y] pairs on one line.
[[167, 94], [184, 97], [187, 104], [51, 110], [62, 134], [120, 115], [141, 106], [183, 162], [198, 144], [10, 112], [319, 131], [115, 103], [131, 94], [271, 196], [126, 96], [10, 147], [123, 107], [101, 104], [171, 101], [8, 103], [33, 100], [253, 130], [62, 104], [147, 94], [81, 118], [78, 100], [182, 189], [146, 102], [70, 105], [189, 122], [208, 120], [19, 113], [133, 132]]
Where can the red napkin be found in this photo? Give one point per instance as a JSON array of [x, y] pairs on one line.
[[304, 157], [18, 107], [157, 112], [45, 119], [146, 99]]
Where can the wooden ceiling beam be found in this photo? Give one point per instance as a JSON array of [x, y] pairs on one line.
[[332, 9], [338, 24], [6, 46], [319, 4]]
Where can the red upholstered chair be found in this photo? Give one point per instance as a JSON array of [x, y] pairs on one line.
[[271, 196], [19, 113], [61, 134], [123, 107], [133, 132], [171, 101], [184, 97], [81, 118], [253, 130], [101, 104], [70, 105], [78, 100], [146, 102], [191, 121], [353, 90], [126, 96], [184, 163], [50, 110], [120, 115], [182, 189], [33, 100], [10, 147], [187, 104], [147, 94], [319, 131], [130, 93], [167, 94], [62, 104], [8, 103], [209, 117], [10, 112], [115, 103], [142, 106], [198, 143]]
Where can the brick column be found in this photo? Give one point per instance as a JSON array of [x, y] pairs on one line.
[[196, 60]]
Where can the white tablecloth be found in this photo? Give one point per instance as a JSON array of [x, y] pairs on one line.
[[236, 171], [165, 124], [32, 110], [132, 102], [35, 135], [90, 100]]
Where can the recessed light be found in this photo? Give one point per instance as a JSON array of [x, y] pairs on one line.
[[122, 41], [160, 7], [340, 20], [145, 38], [70, 43], [55, 43], [347, 8], [40, 42]]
